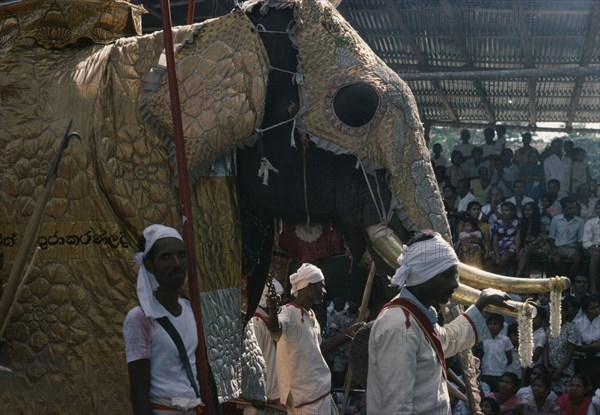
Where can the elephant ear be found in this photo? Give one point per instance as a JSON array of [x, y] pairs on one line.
[[222, 72]]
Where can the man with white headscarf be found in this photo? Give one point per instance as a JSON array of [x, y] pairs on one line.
[[159, 381], [407, 348], [304, 377]]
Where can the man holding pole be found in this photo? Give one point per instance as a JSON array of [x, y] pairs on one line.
[[160, 334], [407, 348]]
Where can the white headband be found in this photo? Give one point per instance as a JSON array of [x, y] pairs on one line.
[[146, 282], [306, 274], [424, 260]]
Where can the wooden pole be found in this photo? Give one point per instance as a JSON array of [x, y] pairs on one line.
[[186, 206], [361, 318], [191, 10], [30, 235]]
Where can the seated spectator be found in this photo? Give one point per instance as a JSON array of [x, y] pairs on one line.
[[522, 153], [580, 290], [440, 176], [450, 199], [490, 406], [557, 167], [491, 212], [553, 187], [576, 400], [465, 195], [500, 143], [508, 173], [560, 350], [464, 147], [457, 170], [506, 395], [591, 243], [494, 352], [587, 203], [547, 209], [470, 243], [539, 336], [475, 162], [587, 358], [519, 199], [506, 238], [565, 237], [539, 403], [488, 147], [482, 185], [525, 392], [437, 159], [532, 174], [534, 240], [580, 169]]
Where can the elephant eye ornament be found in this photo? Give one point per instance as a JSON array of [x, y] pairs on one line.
[[353, 106]]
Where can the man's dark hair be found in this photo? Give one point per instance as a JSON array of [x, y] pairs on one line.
[[451, 187], [541, 312], [548, 196], [464, 133], [554, 181], [569, 300], [473, 203], [495, 317], [589, 299], [142, 246], [566, 200], [501, 130], [526, 136], [513, 328], [489, 133]]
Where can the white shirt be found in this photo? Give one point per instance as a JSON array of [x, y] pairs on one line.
[[301, 368], [539, 340], [268, 346], [146, 339], [589, 211], [465, 149], [566, 232], [494, 361], [405, 375], [591, 233], [555, 168]]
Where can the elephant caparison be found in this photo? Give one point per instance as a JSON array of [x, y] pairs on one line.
[[286, 114]]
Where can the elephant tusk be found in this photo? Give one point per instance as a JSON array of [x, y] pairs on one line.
[[389, 246], [477, 278]]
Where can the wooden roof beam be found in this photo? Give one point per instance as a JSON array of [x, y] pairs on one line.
[[423, 64], [522, 128], [460, 42], [588, 46], [527, 60], [497, 74]]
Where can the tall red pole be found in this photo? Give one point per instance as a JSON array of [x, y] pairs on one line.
[[190, 16], [186, 206]]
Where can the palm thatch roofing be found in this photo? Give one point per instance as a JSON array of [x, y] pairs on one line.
[[472, 63]]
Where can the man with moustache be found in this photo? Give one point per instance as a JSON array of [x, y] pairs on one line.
[[159, 380], [407, 348], [304, 377]]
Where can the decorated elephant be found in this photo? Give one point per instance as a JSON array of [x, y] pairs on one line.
[[287, 115]]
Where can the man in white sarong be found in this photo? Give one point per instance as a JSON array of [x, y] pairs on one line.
[[304, 377], [407, 349]]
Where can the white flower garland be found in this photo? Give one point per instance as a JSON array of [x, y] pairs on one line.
[[525, 321], [555, 312]]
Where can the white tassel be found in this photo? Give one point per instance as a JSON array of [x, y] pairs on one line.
[[263, 171], [525, 321], [555, 311]]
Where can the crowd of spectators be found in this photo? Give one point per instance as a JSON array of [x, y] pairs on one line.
[[511, 212]]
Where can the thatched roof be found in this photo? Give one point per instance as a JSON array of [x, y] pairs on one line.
[[475, 63]]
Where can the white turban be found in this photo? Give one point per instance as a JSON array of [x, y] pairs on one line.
[[424, 260], [306, 274], [146, 282], [265, 293]]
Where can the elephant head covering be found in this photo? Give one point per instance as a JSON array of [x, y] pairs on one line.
[[306, 274], [423, 260], [265, 293], [146, 282]]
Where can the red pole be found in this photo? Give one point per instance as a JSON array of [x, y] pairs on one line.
[[190, 17], [186, 206]]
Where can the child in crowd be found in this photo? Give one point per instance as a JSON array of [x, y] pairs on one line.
[[470, 243], [495, 353], [539, 336], [547, 211], [489, 406], [506, 397]]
